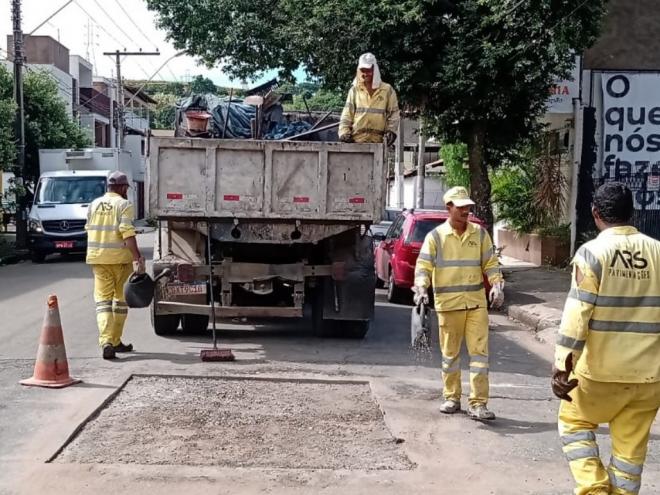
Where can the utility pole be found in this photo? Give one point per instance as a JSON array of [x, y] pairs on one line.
[[19, 129], [120, 90], [398, 167], [421, 167]]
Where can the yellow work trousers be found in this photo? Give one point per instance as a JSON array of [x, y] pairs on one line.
[[111, 308], [454, 326], [629, 409]]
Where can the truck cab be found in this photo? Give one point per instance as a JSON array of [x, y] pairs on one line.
[[56, 223]]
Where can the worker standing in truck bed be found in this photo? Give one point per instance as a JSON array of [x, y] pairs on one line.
[[371, 113]]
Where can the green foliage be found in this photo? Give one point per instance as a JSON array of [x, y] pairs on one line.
[[454, 157], [318, 99], [47, 124], [521, 194], [7, 116], [202, 85], [164, 114]]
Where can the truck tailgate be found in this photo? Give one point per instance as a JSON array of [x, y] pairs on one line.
[[215, 178]]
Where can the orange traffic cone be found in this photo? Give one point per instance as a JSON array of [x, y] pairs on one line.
[[51, 368]]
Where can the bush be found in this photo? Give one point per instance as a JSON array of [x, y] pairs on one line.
[[513, 187], [528, 193], [454, 157]]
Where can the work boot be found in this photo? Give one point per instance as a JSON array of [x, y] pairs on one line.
[[108, 351], [480, 413], [121, 347], [450, 406]]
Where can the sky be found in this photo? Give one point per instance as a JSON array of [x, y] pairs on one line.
[[90, 27]]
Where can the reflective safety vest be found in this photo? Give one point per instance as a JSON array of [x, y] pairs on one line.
[[456, 265], [109, 223], [611, 320], [366, 117]]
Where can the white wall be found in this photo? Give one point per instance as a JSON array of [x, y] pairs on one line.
[[134, 158], [434, 190], [81, 70]]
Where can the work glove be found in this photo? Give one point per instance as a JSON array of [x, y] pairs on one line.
[[139, 266], [346, 138], [390, 137], [560, 383], [420, 295], [496, 296]]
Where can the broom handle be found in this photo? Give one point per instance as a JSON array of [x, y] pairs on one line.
[[208, 254]]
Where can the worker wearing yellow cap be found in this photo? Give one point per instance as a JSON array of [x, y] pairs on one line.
[[371, 113], [454, 258]]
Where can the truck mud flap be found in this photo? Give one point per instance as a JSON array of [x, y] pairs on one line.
[[350, 294]]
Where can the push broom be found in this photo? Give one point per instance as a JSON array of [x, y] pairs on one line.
[[214, 354]]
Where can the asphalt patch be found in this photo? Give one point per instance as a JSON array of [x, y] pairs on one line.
[[239, 422]]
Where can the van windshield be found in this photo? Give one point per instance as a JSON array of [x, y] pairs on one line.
[[69, 190]]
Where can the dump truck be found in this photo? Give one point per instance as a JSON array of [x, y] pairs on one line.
[[264, 229]]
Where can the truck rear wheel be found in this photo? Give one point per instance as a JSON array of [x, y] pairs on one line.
[[194, 323], [164, 324]]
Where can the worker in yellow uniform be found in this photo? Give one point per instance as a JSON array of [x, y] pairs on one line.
[[610, 333], [455, 257], [113, 252], [371, 112]]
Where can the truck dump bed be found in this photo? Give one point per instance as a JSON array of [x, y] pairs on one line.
[[248, 179]]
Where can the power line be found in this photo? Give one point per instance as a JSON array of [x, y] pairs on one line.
[[116, 24], [97, 23], [139, 29]]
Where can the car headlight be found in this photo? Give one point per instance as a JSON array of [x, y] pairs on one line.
[[35, 226]]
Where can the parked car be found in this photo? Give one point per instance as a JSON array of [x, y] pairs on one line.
[[378, 230], [397, 251]]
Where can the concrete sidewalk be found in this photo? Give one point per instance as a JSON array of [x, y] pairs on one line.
[[535, 296]]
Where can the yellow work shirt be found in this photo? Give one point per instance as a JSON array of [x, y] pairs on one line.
[[109, 224], [366, 117], [611, 320], [456, 265]]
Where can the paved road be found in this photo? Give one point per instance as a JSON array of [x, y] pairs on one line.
[[517, 454]]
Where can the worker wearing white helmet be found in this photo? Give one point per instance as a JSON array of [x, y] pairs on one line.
[[371, 113]]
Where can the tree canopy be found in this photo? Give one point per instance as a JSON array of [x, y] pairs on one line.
[[478, 70], [47, 123]]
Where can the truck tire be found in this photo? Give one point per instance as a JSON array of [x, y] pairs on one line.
[[194, 323], [379, 283], [164, 324], [37, 257], [395, 294], [356, 329]]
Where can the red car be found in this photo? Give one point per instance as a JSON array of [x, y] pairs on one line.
[[397, 252]]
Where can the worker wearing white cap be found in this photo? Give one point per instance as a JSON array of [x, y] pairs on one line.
[[455, 258], [371, 113]]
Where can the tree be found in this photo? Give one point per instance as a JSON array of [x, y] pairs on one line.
[[479, 71], [202, 85], [164, 114], [47, 124]]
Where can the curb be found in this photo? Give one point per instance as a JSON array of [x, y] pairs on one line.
[[542, 320]]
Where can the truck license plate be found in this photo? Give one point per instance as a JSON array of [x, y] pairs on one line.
[[185, 289], [63, 244]]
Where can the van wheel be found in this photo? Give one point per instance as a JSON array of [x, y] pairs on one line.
[[37, 256], [195, 323]]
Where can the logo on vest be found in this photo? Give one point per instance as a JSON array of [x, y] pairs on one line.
[[626, 264]]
